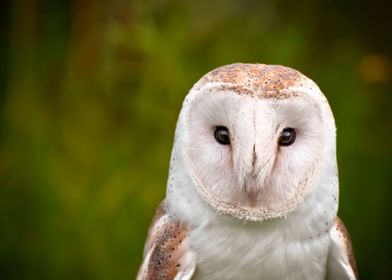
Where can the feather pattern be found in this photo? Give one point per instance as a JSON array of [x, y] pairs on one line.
[[167, 255], [341, 261]]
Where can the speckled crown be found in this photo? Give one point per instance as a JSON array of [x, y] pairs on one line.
[[258, 80]]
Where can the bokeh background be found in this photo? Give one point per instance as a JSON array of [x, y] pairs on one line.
[[89, 96]]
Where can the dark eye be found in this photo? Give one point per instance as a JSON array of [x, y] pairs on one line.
[[222, 135], [287, 136]]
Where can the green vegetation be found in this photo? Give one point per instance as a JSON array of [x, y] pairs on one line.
[[89, 96]]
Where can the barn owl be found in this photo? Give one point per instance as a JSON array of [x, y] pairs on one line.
[[252, 191]]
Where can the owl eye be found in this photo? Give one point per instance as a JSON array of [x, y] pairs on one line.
[[287, 136], [222, 135]]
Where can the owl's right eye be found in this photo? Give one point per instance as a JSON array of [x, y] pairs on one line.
[[222, 135]]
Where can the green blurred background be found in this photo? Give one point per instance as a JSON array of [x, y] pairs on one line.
[[89, 96]]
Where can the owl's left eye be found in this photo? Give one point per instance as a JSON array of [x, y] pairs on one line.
[[222, 135], [287, 136]]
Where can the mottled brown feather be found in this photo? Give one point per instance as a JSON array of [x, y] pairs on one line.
[[161, 211], [266, 81], [343, 232], [166, 243], [164, 261]]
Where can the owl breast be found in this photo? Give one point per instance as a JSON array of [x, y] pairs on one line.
[[254, 252]]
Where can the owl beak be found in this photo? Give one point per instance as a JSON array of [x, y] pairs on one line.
[[254, 160], [250, 182]]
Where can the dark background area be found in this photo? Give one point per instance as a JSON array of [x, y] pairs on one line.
[[89, 96]]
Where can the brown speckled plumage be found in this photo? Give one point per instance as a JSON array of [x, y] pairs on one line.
[[151, 236], [343, 232], [265, 81], [165, 241], [165, 256]]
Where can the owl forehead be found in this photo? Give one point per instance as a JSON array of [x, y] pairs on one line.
[[256, 80]]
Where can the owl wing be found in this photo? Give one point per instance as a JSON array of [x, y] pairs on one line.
[[167, 254], [341, 261]]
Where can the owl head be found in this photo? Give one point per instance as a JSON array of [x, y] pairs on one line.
[[253, 141]]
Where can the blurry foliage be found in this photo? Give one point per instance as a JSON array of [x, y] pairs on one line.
[[89, 96]]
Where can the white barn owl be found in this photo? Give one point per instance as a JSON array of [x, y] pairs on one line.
[[253, 184]]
